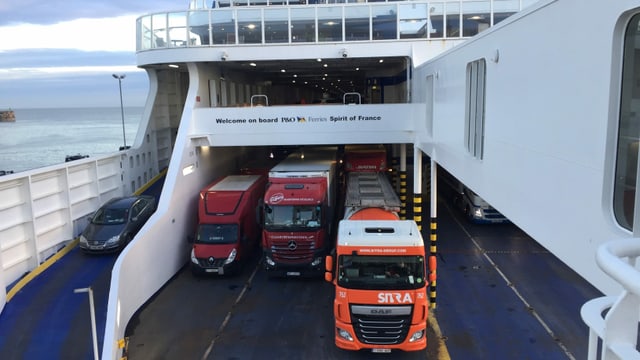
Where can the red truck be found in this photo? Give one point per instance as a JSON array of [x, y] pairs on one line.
[[228, 231], [298, 213]]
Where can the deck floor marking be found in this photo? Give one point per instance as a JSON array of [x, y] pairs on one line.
[[515, 290], [443, 351], [228, 317]]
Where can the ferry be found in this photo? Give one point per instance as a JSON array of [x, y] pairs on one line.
[[7, 115], [531, 104]]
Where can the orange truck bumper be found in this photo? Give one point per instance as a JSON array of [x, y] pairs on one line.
[[417, 345]]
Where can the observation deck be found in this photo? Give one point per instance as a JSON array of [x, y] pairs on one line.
[[264, 22]]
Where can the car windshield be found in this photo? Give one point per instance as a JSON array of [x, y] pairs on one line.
[[111, 216], [381, 272], [217, 234], [292, 215]]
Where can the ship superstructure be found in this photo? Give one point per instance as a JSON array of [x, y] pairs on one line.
[[235, 81]]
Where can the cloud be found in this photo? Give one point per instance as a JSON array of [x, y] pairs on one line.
[[109, 34], [55, 11], [61, 53]]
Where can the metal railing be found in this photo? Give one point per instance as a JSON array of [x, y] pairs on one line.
[[613, 321], [264, 22]]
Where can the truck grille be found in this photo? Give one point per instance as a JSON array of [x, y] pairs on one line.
[[381, 329], [206, 263], [293, 251]]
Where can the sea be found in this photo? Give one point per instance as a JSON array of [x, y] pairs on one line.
[[43, 137]]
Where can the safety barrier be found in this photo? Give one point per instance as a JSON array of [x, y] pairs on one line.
[[613, 321]]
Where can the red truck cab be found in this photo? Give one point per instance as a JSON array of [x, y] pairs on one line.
[[298, 214], [228, 231]]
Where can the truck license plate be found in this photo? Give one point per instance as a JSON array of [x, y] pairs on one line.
[[293, 273], [381, 351]]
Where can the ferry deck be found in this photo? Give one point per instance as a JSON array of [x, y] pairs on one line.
[[445, 90]]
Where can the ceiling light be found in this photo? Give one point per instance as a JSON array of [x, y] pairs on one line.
[[283, 70], [381, 61], [173, 66], [252, 64]]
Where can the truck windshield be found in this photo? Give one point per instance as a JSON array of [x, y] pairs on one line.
[[292, 216], [381, 272], [217, 234]]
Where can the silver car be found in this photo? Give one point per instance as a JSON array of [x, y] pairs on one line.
[[113, 226]]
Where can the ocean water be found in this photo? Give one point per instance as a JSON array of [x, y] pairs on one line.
[[43, 137]]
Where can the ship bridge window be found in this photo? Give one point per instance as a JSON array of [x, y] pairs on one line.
[[626, 179]]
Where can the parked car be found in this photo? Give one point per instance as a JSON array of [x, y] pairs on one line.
[[116, 222]]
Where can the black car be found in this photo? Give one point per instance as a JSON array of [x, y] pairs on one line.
[[113, 226]]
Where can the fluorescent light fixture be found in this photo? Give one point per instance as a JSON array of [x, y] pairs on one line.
[[173, 66], [188, 169]]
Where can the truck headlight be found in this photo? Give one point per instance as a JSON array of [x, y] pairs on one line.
[[269, 261], [417, 336], [477, 213], [316, 261], [344, 334], [194, 259], [113, 240], [83, 240], [231, 257]]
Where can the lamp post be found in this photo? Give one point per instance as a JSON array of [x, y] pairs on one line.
[[93, 319], [124, 136]]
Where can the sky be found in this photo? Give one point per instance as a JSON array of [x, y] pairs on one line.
[[62, 53]]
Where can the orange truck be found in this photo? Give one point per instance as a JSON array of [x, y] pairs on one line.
[[228, 231], [378, 270]]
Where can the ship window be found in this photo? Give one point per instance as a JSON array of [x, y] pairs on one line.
[[276, 25], [413, 21], [330, 23], [453, 20], [436, 19], [303, 25], [356, 23], [384, 22], [625, 183], [474, 22], [249, 26], [474, 111]]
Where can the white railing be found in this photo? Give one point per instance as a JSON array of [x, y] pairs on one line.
[[613, 321], [43, 210], [319, 21]]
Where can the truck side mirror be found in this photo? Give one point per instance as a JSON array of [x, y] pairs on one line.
[[328, 267], [259, 210]]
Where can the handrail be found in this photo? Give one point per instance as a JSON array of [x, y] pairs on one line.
[[357, 94], [266, 100], [618, 329]]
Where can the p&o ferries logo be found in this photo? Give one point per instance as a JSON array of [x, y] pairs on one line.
[[276, 198]]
